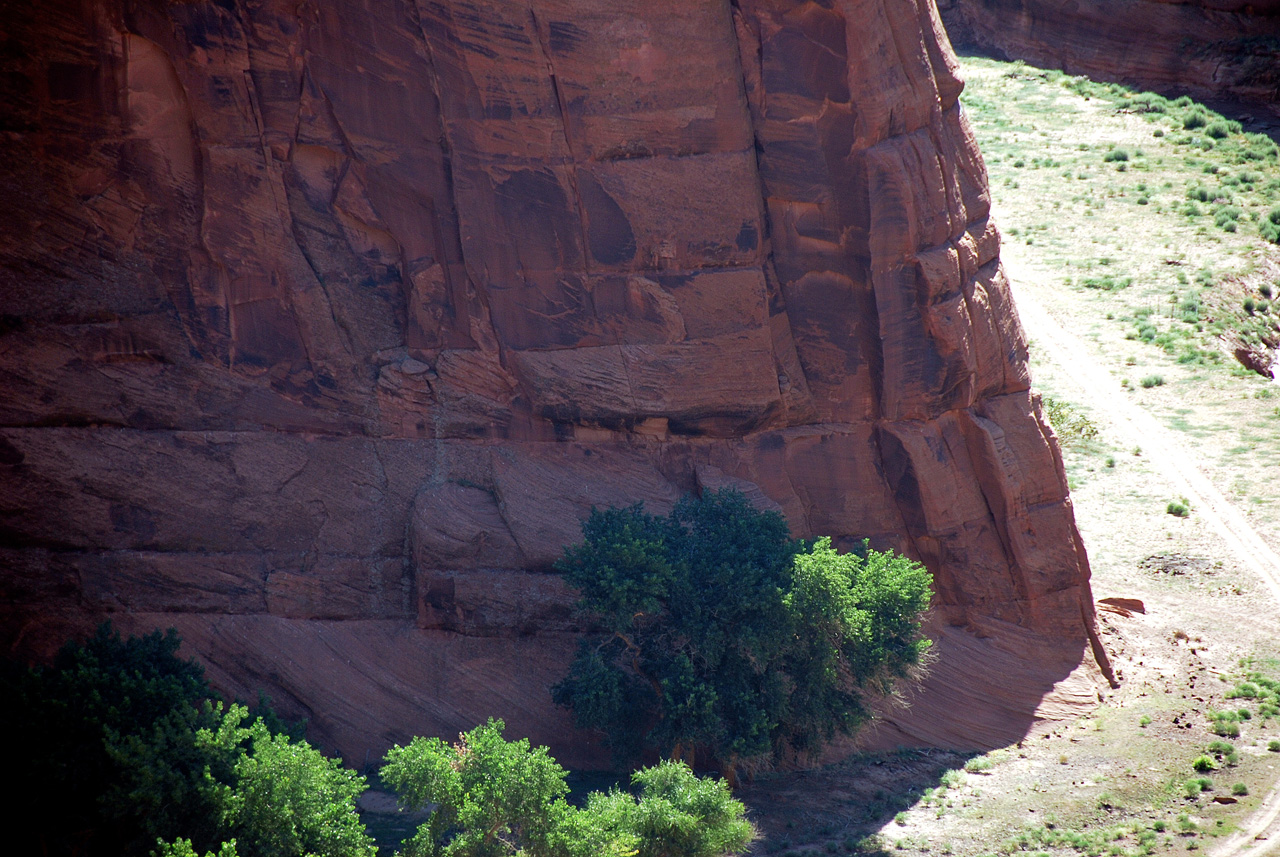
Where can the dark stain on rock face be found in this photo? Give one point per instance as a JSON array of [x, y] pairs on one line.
[[748, 237], [564, 37], [536, 211], [10, 455], [608, 231], [134, 521], [901, 475]]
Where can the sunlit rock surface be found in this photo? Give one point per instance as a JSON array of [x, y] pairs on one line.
[[325, 324]]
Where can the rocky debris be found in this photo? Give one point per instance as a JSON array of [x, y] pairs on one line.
[[1125, 607], [324, 326], [1176, 564]]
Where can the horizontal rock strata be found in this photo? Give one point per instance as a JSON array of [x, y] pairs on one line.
[[325, 324]]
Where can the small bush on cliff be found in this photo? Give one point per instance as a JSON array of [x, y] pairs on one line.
[[495, 798], [726, 637]]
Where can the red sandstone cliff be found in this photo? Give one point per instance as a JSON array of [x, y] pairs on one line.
[[1210, 48], [322, 325]]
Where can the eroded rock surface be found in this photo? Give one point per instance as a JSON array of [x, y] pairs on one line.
[[1211, 48], [325, 324]]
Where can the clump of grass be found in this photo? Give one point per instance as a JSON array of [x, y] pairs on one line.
[[1203, 764], [979, 764], [1217, 130], [1107, 282], [1152, 381], [1225, 723], [1115, 155], [1199, 193], [1178, 510], [1244, 690], [1195, 118], [1227, 217], [1273, 746], [1269, 227], [1239, 789]]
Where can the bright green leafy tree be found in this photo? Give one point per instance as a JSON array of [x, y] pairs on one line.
[[724, 635], [285, 798], [498, 798]]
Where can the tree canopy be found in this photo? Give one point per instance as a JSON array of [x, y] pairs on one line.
[[125, 751], [499, 798], [723, 634]]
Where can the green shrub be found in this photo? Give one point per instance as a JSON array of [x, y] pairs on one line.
[[1203, 764], [1116, 155], [1067, 420], [1220, 748], [1193, 119], [1239, 789], [1178, 510], [1273, 745], [1148, 102], [1226, 216], [1226, 728], [1250, 305], [1269, 227], [1107, 282], [1217, 130], [1152, 381]]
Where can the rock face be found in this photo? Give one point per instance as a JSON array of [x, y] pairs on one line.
[[325, 324], [1211, 48]]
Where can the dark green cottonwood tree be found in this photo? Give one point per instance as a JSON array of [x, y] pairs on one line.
[[723, 635]]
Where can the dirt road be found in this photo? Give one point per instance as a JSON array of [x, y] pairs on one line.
[[1171, 456]]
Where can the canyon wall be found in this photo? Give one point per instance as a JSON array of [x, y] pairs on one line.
[[324, 324], [1209, 48]]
